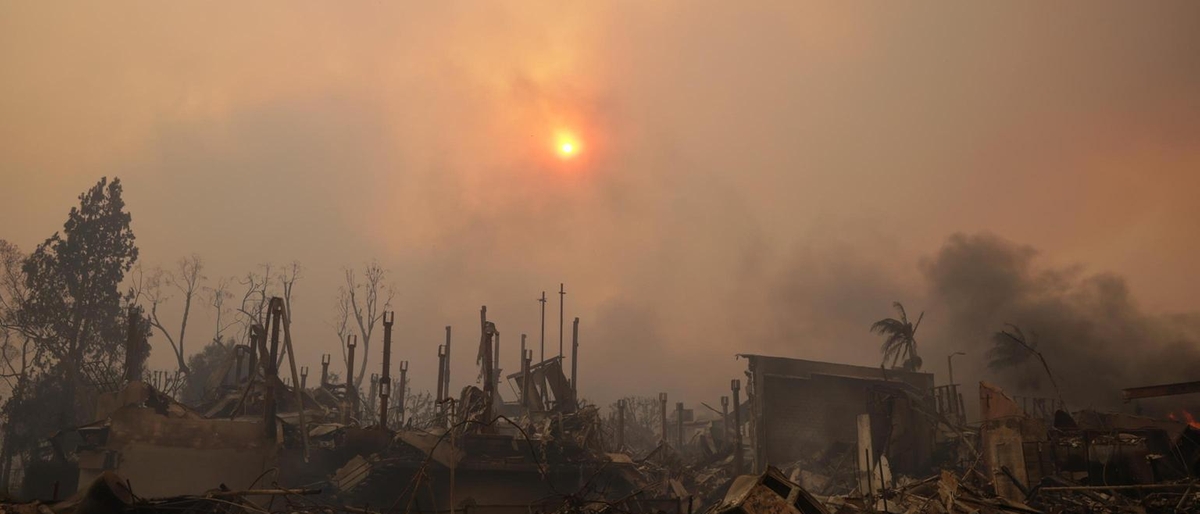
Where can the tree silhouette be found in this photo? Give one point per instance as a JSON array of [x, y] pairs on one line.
[[899, 339], [75, 311]]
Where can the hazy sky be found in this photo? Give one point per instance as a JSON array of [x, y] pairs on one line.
[[752, 177]]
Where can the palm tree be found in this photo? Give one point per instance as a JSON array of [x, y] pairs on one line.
[[899, 339]]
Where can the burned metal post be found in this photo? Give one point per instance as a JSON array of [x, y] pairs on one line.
[[351, 396], [524, 376], [526, 361], [736, 386], [487, 361], [325, 359], [542, 301], [385, 378], [562, 300], [446, 366], [441, 386], [268, 365], [725, 419], [402, 390], [575, 360], [662, 400], [679, 422], [239, 352], [620, 424], [372, 396], [304, 377]]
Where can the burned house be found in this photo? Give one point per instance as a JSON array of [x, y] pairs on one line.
[[800, 408], [166, 448]]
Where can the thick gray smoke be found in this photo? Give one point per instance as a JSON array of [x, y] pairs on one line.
[[1093, 334]]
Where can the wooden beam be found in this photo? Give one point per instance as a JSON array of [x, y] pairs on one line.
[[1156, 391]]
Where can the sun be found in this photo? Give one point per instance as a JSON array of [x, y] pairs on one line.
[[567, 145]]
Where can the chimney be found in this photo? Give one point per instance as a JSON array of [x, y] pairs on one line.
[[351, 398], [385, 378]]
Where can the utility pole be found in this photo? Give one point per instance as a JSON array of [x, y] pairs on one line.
[[736, 385], [562, 298]]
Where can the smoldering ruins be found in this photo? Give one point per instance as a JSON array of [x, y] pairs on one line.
[[670, 257], [248, 425]]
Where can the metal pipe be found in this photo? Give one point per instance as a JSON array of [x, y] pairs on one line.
[[950, 365]]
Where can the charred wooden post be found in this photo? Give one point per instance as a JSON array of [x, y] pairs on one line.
[[276, 309], [679, 422], [385, 378], [351, 397], [725, 419], [256, 332], [524, 376], [402, 390], [134, 356], [372, 396], [325, 359], [575, 361], [542, 356], [487, 362], [268, 365], [736, 386], [446, 365], [441, 385], [662, 401], [526, 362], [304, 377], [239, 353], [620, 425], [496, 363]]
